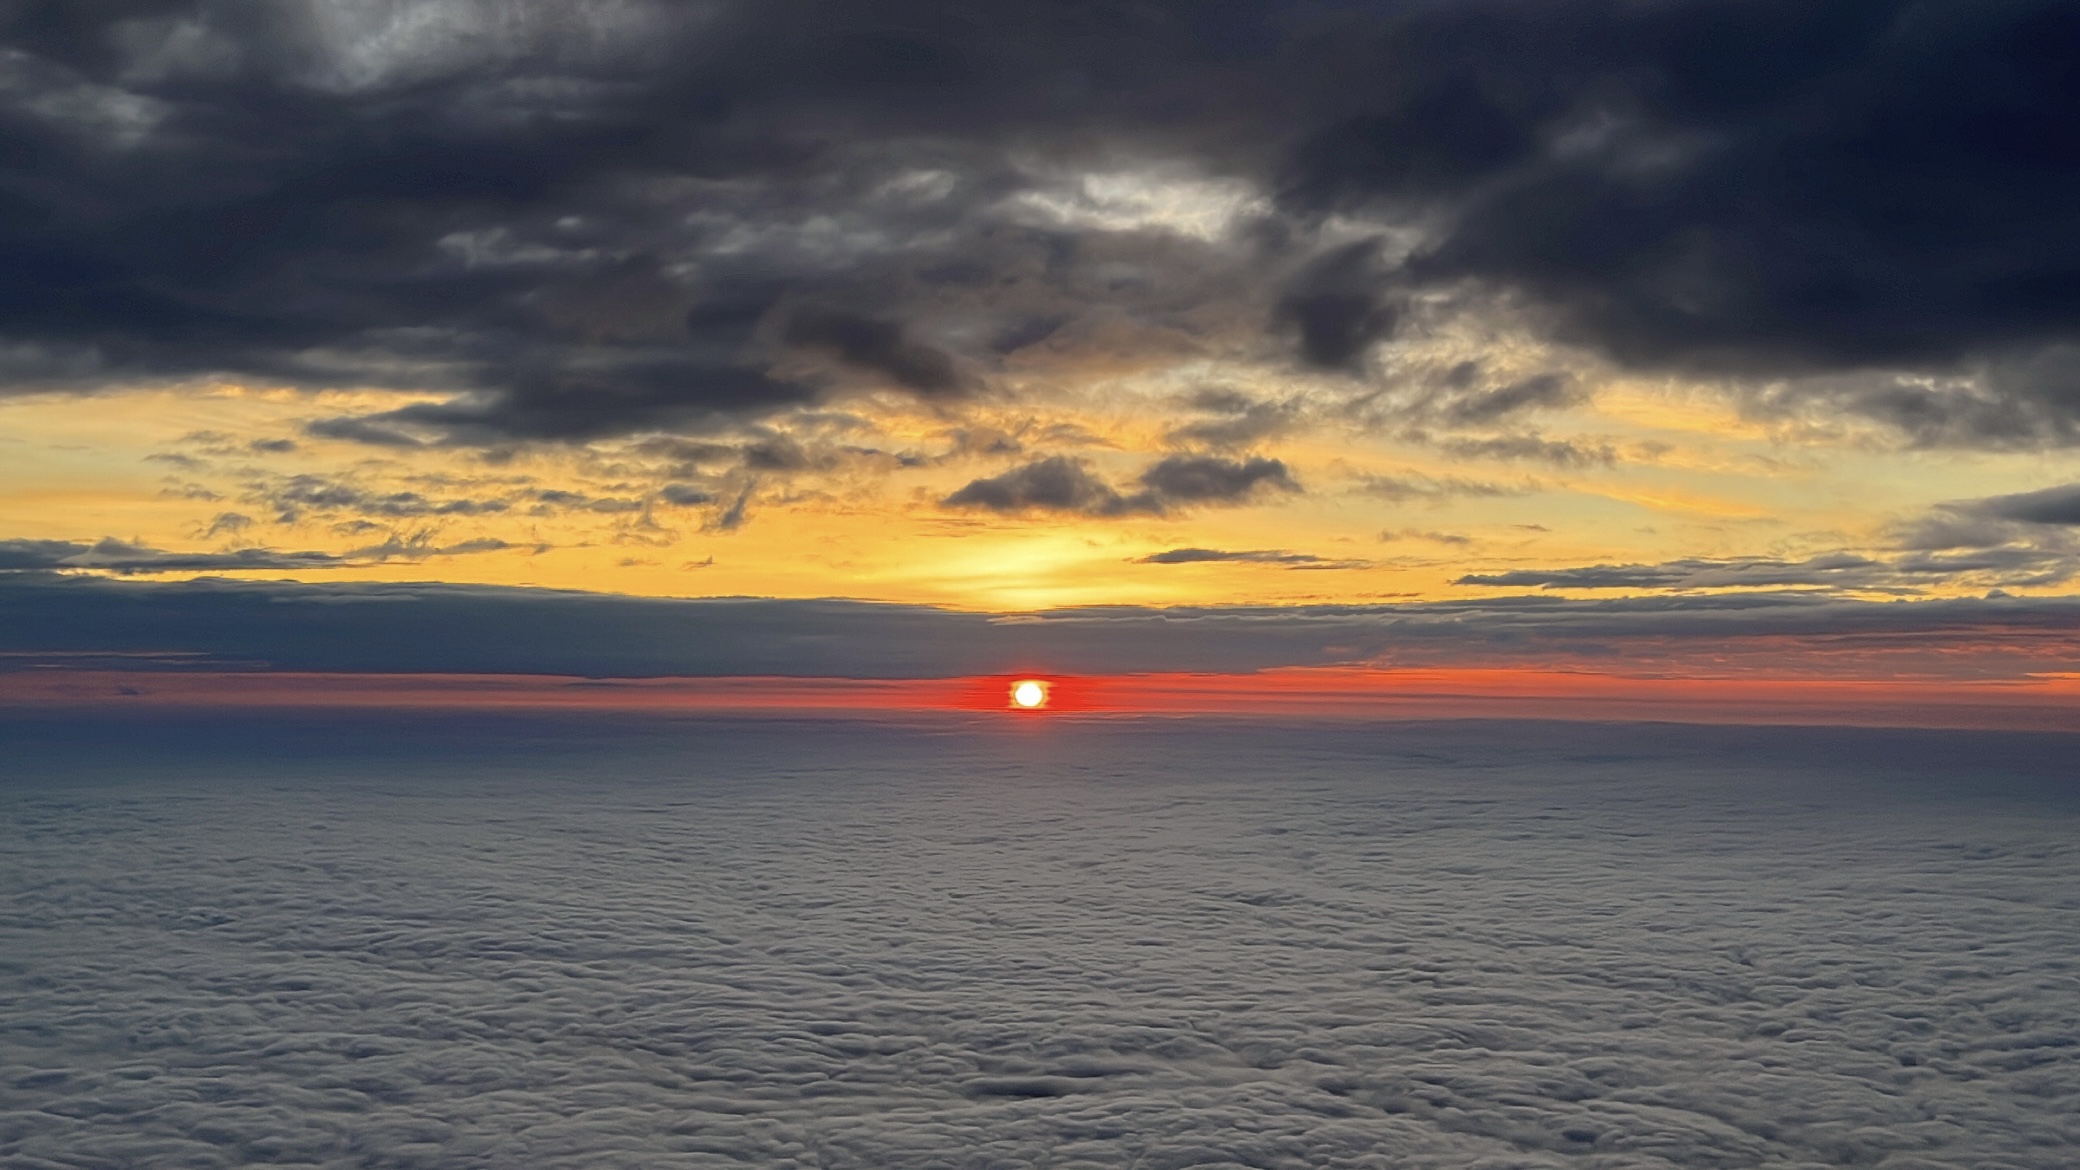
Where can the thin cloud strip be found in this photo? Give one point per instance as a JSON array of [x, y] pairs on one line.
[[437, 628], [110, 555], [2040, 704]]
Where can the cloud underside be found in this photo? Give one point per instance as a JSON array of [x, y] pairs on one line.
[[589, 221], [1906, 574], [2030, 539], [1061, 484], [493, 630]]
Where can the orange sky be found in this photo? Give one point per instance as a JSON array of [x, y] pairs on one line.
[[188, 470], [2045, 703], [1015, 342]]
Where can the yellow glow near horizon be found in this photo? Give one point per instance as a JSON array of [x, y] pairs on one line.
[[1029, 693], [859, 513]]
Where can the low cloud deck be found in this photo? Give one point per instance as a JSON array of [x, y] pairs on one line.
[[515, 942]]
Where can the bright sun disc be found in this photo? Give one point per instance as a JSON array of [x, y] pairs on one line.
[[1029, 693]]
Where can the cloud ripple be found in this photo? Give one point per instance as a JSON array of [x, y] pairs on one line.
[[517, 945]]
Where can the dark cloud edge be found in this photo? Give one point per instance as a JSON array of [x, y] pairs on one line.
[[1706, 185], [49, 620]]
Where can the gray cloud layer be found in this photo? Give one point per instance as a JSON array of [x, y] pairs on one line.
[[591, 220], [2014, 540], [459, 628], [2059, 505], [549, 944]]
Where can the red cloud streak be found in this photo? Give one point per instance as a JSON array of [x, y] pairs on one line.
[[2049, 702]]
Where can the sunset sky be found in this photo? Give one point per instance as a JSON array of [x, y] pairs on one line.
[[1707, 339]]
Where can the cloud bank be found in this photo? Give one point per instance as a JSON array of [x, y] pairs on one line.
[[596, 220], [436, 628], [505, 943]]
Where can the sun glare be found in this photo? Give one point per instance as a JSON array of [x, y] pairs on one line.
[[1029, 693]]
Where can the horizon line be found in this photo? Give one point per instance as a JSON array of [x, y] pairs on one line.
[[2043, 702]]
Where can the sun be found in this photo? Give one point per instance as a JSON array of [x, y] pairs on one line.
[[1029, 693]]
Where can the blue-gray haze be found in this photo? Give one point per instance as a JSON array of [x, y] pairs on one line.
[[517, 943]]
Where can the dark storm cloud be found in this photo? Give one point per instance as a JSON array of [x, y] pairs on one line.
[[593, 220], [1754, 186], [1062, 484], [1336, 307], [579, 219], [460, 628]]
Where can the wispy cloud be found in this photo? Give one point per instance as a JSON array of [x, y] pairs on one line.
[[1258, 556], [110, 555]]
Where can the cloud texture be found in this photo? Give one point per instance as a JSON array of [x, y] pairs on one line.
[[435, 628], [590, 220], [686, 945], [1061, 484]]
